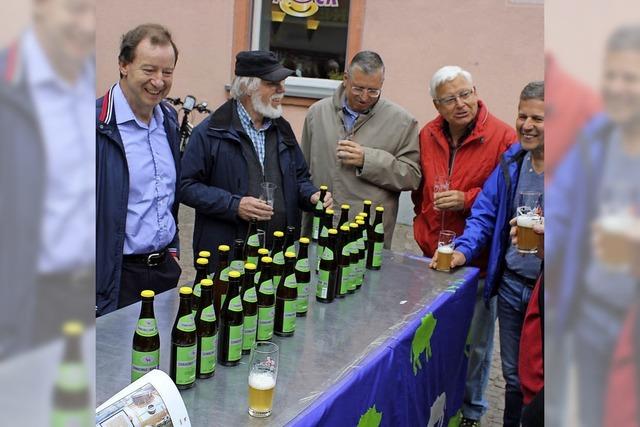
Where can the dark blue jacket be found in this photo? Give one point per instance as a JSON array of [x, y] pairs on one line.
[[490, 216], [112, 196], [215, 177]]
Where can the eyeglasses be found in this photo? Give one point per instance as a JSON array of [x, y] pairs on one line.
[[450, 100], [373, 93]]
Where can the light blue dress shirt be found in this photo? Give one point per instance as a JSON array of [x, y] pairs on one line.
[[152, 178]]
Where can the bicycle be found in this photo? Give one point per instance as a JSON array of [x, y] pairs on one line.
[[187, 106]]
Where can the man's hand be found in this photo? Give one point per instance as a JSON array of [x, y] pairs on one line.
[[457, 259], [327, 202], [250, 208], [350, 153], [452, 200]]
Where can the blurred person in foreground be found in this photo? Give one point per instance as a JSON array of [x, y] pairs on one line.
[[509, 274], [47, 79], [592, 224], [463, 143], [138, 171], [361, 145], [242, 144]]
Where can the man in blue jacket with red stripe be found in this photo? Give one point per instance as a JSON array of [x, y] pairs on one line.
[[511, 275], [137, 173]]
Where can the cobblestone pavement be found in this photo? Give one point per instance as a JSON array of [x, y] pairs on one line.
[[402, 242]]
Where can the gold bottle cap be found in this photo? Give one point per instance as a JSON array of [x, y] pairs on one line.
[[266, 259], [353, 225], [206, 282], [304, 240], [278, 234], [202, 261], [185, 290], [363, 214], [224, 248], [204, 254], [344, 228], [380, 209], [330, 211], [147, 293], [289, 255], [234, 274], [249, 266], [324, 187], [358, 218], [367, 202], [333, 231], [345, 206], [360, 222], [263, 251]]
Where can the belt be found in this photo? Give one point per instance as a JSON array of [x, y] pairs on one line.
[[150, 260], [530, 283]]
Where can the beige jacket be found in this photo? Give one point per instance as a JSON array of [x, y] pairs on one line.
[[389, 136]]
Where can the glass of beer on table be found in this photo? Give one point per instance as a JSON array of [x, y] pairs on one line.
[[445, 250], [263, 372], [529, 213]]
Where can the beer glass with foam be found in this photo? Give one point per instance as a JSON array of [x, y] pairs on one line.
[[445, 250], [263, 372], [528, 214]]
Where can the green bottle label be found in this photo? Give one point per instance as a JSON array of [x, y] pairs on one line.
[[224, 274], [319, 256], [265, 323], [278, 258], [291, 248], [303, 297], [223, 297], [302, 265], [290, 281], [208, 314], [237, 265], [315, 227], [196, 290], [250, 295], [252, 259], [327, 254], [143, 362], [249, 331], [72, 417], [147, 328], [323, 284], [379, 228], [345, 280], [289, 316], [208, 353], [186, 323], [235, 304], [253, 241], [235, 343], [377, 254], [72, 377], [256, 278], [266, 287], [185, 364]]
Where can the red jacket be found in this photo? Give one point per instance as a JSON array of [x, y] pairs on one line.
[[475, 159], [531, 358]]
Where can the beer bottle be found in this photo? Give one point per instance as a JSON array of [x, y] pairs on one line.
[[71, 393], [376, 242], [362, 248], [290, 239], [364, 217], [221, 279], [184, 344], [145, 356], [286, 296], [318, 213], [303, 277], [353, 247], [231, 321], [325, 225], [344, 262], [262, 252], [249, 307], [252, 243], [237, 262], [202, 270], [266, 301], [277, 254], [207, 332], [366, 209], [327, 275], [344, 215], [207, 255]]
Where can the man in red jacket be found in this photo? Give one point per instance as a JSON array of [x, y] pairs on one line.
[[463, 144]]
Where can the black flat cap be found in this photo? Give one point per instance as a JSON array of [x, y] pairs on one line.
[[261, 63]]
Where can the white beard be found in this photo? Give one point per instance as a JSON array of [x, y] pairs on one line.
[[266, 109]]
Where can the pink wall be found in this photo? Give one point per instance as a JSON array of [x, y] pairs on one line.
[[499, 43]]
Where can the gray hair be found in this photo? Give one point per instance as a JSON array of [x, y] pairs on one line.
[[369, 62], [242, 86], [533, 90], [446, 74], [624, 38]]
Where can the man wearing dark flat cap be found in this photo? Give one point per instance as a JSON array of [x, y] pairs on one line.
[[242, 144]]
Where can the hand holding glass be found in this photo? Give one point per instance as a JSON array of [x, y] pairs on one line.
[[268, 189], [528, 215], [446, 246]]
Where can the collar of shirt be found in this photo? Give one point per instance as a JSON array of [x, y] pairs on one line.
[[125, 113], [246, 121], [467, 132], [348, 110]]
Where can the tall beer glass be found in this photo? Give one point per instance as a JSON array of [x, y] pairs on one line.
[[528, 214], [263, 372], [445, 250]]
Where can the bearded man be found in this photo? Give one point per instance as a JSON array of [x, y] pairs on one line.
[[242, 144]]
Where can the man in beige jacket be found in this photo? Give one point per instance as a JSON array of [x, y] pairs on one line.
[[362, 146]]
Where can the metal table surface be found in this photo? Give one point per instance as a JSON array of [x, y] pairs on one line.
[[328, 344]]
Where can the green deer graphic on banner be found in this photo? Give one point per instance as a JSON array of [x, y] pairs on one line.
[[422, 341]]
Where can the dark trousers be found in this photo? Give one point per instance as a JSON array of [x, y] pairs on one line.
[[136, 277]]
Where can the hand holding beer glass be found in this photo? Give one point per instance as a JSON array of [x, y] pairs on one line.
[[446, 246], [263, 372], [528, 215]]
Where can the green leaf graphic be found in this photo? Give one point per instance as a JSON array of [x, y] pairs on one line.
[[371, 418]]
